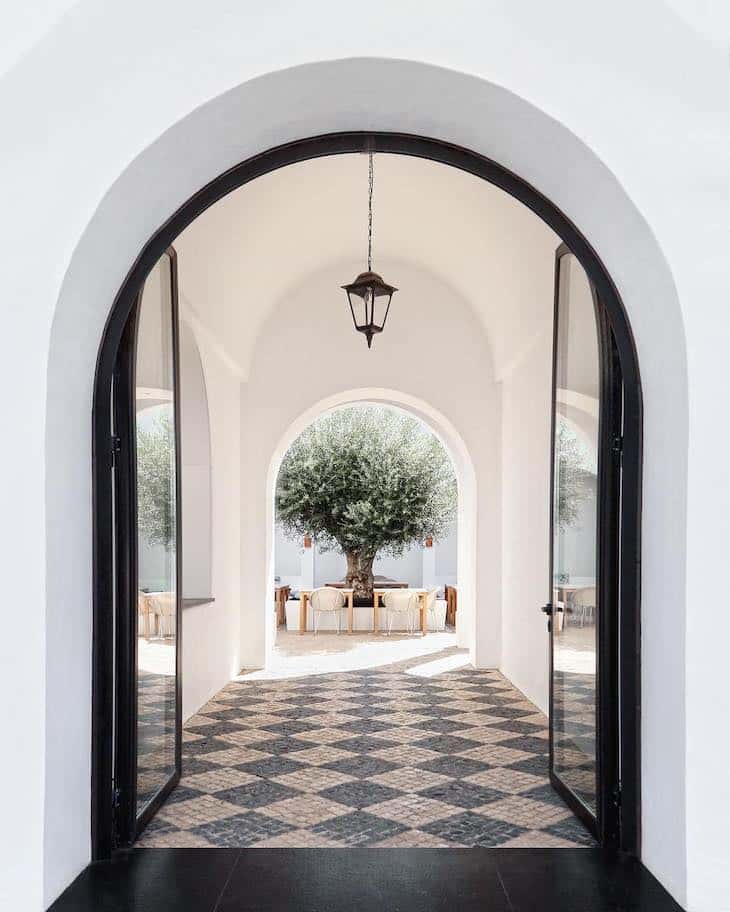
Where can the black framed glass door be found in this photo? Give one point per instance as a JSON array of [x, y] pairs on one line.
[[583, 607], [148, 548]]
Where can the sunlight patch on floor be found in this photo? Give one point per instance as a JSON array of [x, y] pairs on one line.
[[299, 655], [156, 655], [439, 666]]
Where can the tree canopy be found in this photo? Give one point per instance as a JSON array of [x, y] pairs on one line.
[[366, 480], [576, 478], [156, 481]]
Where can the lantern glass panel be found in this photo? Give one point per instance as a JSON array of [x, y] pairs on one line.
[[369, 299], [357, 306], [381, 308]]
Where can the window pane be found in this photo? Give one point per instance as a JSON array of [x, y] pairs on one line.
[[575, 541], [156, 538]]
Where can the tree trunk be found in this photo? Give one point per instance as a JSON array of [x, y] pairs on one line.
[[360, 574]]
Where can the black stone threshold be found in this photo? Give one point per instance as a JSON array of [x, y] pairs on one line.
[[366, 880]]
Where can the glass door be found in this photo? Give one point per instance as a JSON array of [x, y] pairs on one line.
[[584, 553], [147, 504]]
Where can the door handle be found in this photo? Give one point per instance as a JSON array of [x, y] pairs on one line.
[[547, 609]]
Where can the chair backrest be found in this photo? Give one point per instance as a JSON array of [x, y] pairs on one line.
[[401, 600], [327, 599], [431, 599], [584, 597], [163, 603]]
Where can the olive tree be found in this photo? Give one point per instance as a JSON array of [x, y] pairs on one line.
[[576, 482], [366, 480], [156, 481]]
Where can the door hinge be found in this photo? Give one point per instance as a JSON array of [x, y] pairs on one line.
[[116, 448], [617, 445], [617, 796]]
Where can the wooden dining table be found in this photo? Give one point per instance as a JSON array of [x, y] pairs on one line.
[[305, 596]]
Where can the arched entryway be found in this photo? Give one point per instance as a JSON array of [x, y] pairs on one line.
[[458, 451], [618, 498]]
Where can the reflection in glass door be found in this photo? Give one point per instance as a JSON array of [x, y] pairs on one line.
[[158, 709], [582, 623], [147, 498]]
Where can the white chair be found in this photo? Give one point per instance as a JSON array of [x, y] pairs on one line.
[[435, 614], [164, 607], [401, 602], [145, 613], [327, 600], [584, 603]]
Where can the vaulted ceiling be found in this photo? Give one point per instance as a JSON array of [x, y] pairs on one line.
[[241, 258]]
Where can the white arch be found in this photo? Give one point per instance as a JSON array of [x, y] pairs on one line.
[[386, 94], [455, 446]]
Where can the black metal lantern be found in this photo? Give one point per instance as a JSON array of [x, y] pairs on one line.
[[369, 296]]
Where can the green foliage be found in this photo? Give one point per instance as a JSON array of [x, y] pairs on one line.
[[366, 480], [576, 481], [156, 481]]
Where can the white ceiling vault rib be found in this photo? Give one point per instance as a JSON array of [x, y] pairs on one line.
[[245, 255], [203, 330]]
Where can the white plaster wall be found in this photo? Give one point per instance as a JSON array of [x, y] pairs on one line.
[[526, 403], [418, 566], [442, 562], [426, 320], [643, 174], [288, 558], [330, 566], [196, 471], [211, 632]]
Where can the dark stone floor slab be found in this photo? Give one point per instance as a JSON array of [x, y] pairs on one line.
[[367, 880], [152, 880], [578, 880]]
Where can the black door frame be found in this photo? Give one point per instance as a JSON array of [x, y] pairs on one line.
[[606, 824], [128, 824], [627, 587]]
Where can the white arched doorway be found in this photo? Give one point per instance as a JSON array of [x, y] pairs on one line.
[[55, 392], [454, 444], [510, 93]]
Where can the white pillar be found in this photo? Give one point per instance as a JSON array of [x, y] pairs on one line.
[[308, 567], [429, 567]]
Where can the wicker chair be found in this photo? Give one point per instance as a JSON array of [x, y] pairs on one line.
[[327, 600], [401, 602], [583, 603], [431, 609], [164, 607]]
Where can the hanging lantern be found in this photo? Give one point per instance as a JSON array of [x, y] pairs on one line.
[[369, 296]]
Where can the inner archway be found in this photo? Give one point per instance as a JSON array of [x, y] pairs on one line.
[[467, 507]]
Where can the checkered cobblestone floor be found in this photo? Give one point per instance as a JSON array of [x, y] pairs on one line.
[[371, 758]]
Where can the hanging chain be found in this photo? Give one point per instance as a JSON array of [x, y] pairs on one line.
[[370, 212]]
